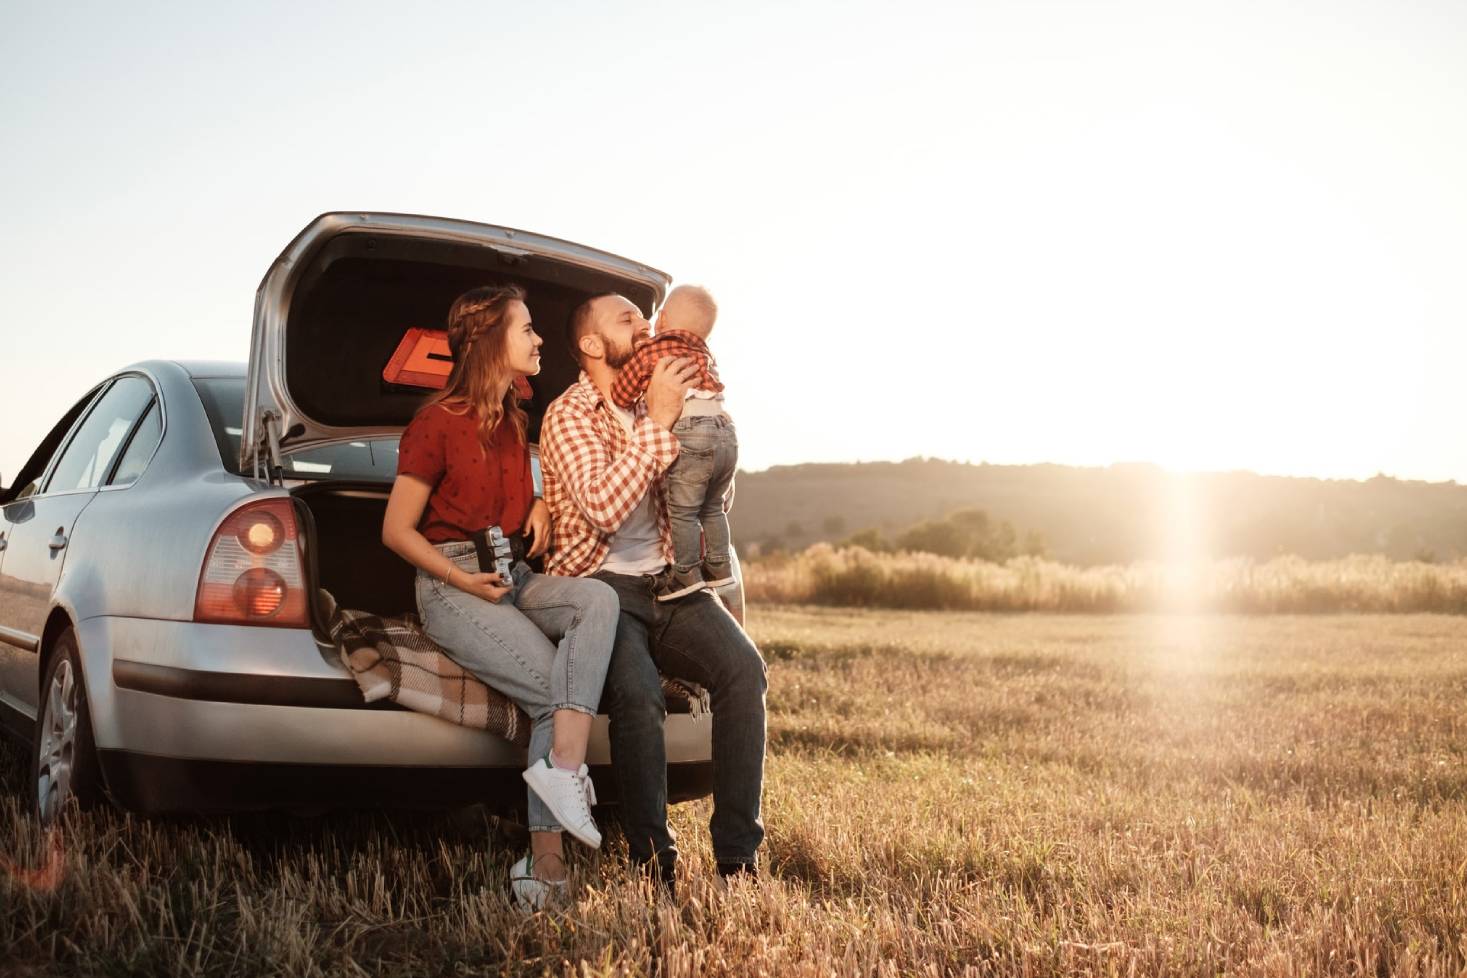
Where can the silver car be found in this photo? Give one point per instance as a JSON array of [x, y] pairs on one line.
[[161, 635]]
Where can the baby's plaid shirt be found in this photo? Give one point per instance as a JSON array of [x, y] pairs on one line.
[[631, 383]]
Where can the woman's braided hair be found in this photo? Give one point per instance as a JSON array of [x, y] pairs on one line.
[[476, 341]]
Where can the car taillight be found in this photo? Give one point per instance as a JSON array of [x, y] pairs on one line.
[[252, 573]]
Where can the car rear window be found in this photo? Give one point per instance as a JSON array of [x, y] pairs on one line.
[[223, 399]]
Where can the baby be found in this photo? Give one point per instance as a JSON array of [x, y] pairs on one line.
[[700, 481]]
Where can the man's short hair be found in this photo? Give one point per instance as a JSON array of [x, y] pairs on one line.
[[579, 324]]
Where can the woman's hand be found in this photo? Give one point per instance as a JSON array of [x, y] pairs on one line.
[[490, 587], [537, 528]]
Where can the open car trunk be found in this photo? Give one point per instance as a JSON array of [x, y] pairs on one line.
[[335, 315], [343, 523], [333, 318], [350, 291]]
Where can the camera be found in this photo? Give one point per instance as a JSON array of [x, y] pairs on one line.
[[496, 555]]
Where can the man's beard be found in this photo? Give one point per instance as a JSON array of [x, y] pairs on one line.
[[617, 357]]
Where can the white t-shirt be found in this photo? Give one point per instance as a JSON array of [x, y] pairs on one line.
[[636, 548]]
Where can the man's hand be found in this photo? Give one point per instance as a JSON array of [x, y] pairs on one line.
[[490, 587], [672, 378], [537, 528]]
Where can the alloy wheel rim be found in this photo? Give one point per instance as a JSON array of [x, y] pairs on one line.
[[58, 742]]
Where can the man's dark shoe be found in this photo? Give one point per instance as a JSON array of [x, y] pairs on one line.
[[673, 584], [731, 874], [744, 870], [718, 574], [663, 874]]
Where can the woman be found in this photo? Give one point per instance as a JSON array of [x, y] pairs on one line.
[[464, 465]]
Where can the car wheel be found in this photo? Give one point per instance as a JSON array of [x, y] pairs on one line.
[[64, 762]]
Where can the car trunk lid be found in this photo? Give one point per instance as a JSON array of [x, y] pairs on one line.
[[333, 356]]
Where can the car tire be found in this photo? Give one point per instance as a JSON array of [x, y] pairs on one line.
[[64, 767]]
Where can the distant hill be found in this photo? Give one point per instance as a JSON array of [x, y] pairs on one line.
[[1118, 514]]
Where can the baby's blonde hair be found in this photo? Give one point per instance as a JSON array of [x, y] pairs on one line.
[[690, 307]]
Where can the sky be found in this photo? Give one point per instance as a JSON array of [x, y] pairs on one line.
[[1207, 235]]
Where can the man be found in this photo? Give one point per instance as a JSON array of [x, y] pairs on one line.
[[603, 469]]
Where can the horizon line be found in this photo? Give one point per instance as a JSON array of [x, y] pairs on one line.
[[1126, 464]]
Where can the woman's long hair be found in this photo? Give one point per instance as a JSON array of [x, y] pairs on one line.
[[476, 339]]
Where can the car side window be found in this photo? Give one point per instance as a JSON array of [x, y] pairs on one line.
[[86, 461], [139, 450], [28, 482]]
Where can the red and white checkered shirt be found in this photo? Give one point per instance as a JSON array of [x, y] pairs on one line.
[[595, 474]]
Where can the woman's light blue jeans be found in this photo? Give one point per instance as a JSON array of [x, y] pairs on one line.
[[545, 645]]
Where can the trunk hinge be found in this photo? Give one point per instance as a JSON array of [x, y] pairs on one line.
[[269, 440]]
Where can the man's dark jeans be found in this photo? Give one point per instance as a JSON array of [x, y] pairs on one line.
[[697, 639]]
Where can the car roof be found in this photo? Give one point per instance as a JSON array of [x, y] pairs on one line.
[[202, 369]]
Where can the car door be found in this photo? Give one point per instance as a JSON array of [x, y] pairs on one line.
[[39, 524], [17, 651]]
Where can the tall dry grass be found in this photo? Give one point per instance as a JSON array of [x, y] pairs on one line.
[[947, 794], [856, 577]]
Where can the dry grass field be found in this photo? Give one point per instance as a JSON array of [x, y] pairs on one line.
[[948, 794], [856, 577]]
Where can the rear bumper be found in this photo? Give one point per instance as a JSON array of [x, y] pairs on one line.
[[192, 717], [157, 785]]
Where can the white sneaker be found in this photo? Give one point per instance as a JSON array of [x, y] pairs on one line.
[[528, 892], [568, 795], [585, 775]]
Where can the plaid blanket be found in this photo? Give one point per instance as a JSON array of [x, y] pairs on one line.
[[394, 659]]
